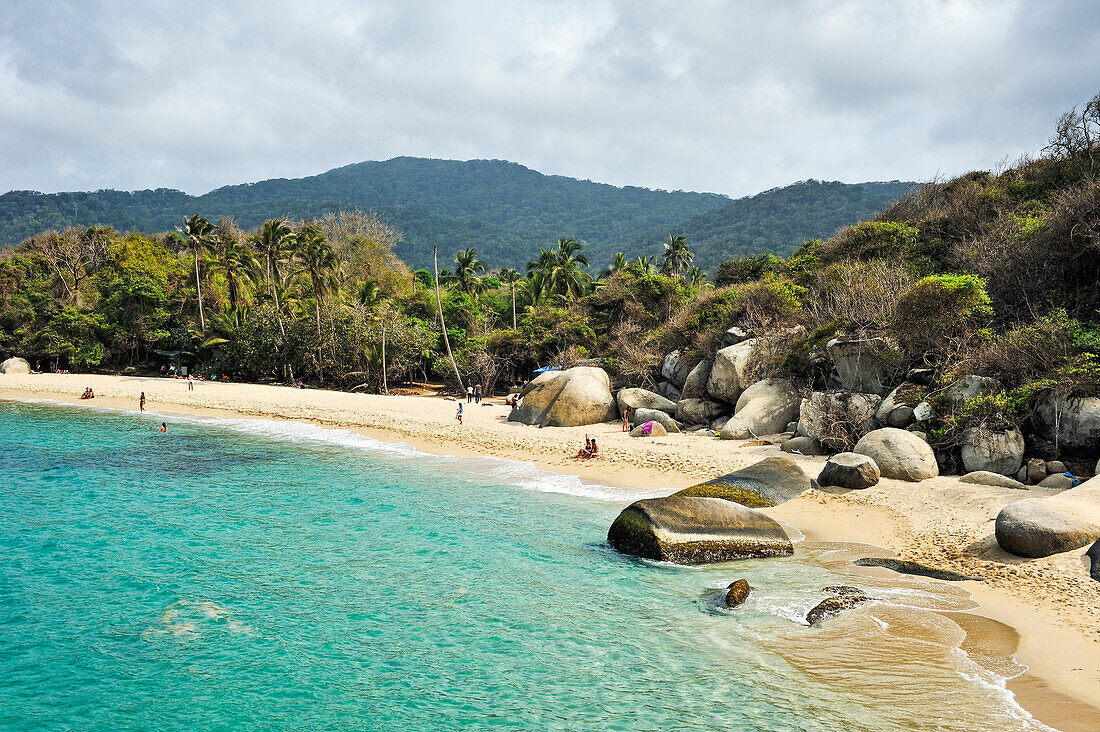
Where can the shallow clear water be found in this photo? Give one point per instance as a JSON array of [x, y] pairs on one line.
[[276, 575]]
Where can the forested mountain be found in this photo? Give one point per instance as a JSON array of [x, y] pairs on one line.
[[503, 210], [776, 221]]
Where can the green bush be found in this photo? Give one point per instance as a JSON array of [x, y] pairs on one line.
[[747, 269], [939, 310]]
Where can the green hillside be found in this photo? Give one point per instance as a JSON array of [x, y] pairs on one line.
[[503, 210], [777, 221]]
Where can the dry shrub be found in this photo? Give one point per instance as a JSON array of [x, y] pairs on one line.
[[862, 295]]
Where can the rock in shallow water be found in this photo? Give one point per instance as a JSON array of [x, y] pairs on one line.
[[694, 530], [835, 605], [905, 566], [737, 593]]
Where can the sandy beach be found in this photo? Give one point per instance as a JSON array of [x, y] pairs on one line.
[[1046, 611]]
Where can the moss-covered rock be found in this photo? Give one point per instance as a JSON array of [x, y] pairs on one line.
[[769, 482], [695, 530], [905, 566]]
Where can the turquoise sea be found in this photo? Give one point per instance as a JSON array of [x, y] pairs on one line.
[[247, 574]]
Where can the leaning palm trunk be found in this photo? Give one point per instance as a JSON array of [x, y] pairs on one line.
[[442, 323], [385, 387], [317, 312], [198, 291]]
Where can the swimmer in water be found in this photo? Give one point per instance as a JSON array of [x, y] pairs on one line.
[[163, 427]]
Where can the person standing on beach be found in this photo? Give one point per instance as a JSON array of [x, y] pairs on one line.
[[190, 382], [141, 402], [477, 394], [458, 415], [469, 394]]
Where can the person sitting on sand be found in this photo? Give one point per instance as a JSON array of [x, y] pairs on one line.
[[163, 427], [458, 414], [595, 449], [586, 451]]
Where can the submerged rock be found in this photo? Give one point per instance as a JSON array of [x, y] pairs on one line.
[[696, 530], [737, 592], [570, 398], [769, 482], [905, 566], [835, 605], [1039, 527], [899, 454]]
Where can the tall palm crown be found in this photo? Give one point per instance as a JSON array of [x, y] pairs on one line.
[[199, 234], [275, 242], [560, 272], [467, 269], [237, 263], [677, 256]]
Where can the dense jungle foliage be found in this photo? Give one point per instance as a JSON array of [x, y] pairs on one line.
[[990, 273], [503, 210]]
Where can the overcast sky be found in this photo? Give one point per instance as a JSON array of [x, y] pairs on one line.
[[716, 96]]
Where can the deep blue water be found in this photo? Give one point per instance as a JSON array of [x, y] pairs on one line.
[[277, 576]]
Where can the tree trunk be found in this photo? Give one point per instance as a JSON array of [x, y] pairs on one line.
[[513, 305], [442, 323], [385, 386], [198, 291]]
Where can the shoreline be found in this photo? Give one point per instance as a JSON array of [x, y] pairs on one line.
[[1048, 605]]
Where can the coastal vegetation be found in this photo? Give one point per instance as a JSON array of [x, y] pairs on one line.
[[991, 273]]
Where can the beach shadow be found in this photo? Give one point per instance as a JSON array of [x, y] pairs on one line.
[[988, 549]]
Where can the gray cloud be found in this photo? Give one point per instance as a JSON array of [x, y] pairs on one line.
[[700, 95]]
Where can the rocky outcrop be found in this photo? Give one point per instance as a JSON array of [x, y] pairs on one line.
[[859, 364], [849, 470], [675, 368], [570, 398], [641, 416], [669, 391], [1072, 423], [733, 371], [905, 566], [695, 386], [15, 365], [633, 398], [892, 412], [733, 336], [649, 429], [969, 388], [994, 451], [698, 411], [695, 530], [984, 477], [835, 605], [1039, 527], [766, 483], [764, 408], [836, 419], [737, 592], [899, 454], [803, 446]]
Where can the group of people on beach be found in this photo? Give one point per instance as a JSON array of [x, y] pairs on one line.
[[473, 394]]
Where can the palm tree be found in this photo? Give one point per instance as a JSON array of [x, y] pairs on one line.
[[197, 231], [509, 277], [275, 242], [618, 263], [317, 260], [372, 298], [560, 272], [442, 323], [234, 260], [644, 263], [467, 269], [677, 256], [696, 277]]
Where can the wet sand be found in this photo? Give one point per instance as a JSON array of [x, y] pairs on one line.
[[1052, 603]]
